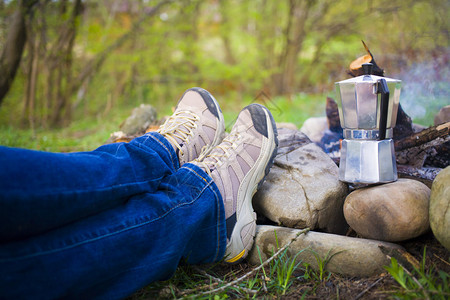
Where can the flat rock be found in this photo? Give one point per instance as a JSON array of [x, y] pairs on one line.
[[440, 207], [395, 211], [348, 256], [302, 188]]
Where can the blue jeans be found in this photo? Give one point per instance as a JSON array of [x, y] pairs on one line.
[[105, 223]]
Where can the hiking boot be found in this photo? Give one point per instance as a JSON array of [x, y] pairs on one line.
[[197, 124], [238, 166]]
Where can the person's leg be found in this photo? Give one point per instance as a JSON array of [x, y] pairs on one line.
[[40, 191], [238, 166], [114, 253]]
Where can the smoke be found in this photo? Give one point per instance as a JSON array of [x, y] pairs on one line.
[[426, 88]]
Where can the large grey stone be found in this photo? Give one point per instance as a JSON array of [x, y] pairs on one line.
[[348, 256], [440, 207], [391, 212], [302, 188]]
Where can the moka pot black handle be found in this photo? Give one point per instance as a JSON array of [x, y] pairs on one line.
[[383, 89]]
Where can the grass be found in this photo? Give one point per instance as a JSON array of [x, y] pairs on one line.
[[90, 131], [286, 277], [420, 283]]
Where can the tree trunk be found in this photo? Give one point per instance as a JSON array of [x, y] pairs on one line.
[[14, 45], [294, 35], [62, 52], [225, 32], [12, 52]]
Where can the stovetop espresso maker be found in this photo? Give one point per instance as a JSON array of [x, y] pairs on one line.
[[368, 107]]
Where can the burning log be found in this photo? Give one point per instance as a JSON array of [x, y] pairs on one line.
[[356, 65], [425, 136], [433, 142], [404, 123]]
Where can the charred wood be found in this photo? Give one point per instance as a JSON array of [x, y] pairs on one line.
[[422, 146], [423, 137], [425, 175]]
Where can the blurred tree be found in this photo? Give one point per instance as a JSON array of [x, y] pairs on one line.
[[51, 30], [15, 41], [101, 53]]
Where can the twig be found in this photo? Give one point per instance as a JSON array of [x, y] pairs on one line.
[[304, 231], [367, 289], [218, 280], [441, 259], [203, 287], [263, 280]]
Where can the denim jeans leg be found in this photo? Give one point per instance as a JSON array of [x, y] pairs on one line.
[[111, 254], [40, 191]]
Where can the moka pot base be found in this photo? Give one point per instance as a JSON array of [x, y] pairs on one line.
[[367, 161]]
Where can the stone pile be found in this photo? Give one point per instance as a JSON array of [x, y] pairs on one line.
[[302, 190]]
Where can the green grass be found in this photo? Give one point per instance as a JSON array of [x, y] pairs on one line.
[[419, 283], [286, 276], [92, 130]]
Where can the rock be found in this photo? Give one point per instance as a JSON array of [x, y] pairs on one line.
[[140, 119], [286, 125], [302, 188], [391, 212], [442, 116], [418, 127], [314, 128], [348, 256], [440, 207]]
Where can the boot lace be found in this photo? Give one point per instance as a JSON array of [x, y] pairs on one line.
[[208, 159], [180, 126]]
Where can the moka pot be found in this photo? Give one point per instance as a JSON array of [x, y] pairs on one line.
[[368, 107]]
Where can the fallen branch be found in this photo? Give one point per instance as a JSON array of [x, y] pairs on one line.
[[401, 256]]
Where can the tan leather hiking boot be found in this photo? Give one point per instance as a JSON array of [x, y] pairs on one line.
[[238, 166], [197, 124]]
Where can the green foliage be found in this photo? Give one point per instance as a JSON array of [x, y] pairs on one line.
[[232, 48], [420, 283], [281, 270]]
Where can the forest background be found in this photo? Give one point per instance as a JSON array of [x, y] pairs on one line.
[[71, 71]]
